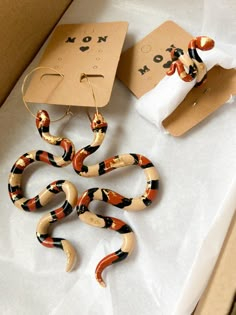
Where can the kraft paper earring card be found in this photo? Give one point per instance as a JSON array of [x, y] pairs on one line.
[[92, 49], [144, 65], [201, 102]]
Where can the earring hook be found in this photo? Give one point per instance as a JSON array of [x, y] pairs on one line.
[[86, 76]]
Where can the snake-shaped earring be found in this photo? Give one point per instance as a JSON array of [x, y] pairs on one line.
[[42, 232], [190, 66], [99, 127], [43, 198]]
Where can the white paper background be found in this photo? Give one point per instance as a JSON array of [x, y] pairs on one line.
[[178, 238]]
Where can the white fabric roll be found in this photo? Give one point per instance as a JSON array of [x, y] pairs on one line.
[[160, 102]]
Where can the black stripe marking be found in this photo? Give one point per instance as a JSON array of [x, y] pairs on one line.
[[125, 202], [121, 255], [37, 155], [52, 187], [16, 198], [49, 155], [200, 82], [125, 229], [104, 195], [52, 160], [101, 169], [16, 170], [60, 182], [90, 192], [91, 149], [81, 209], [27, 156], [193, 54], [147, 202], [55, 241], [84, 169], [25, 206], [67, 208], [103, 129], [147, 165], [108, 221], [67, 154], [43, 129], [135, 156], [153, 184], [54, 216], [192, 71], [37, 202], [13, 189]]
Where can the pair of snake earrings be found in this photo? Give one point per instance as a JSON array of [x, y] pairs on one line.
[[180, 61], [99, 127]]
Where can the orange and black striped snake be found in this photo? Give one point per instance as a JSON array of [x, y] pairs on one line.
[[43, 198], [190, 66], [99, 127]]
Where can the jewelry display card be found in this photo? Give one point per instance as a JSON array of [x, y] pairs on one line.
[[202, 101], [144, 65], [92, 49]]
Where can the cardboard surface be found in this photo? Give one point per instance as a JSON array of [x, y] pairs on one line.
[[24, 26], [219, 296], [75, 49], [203, 101], [142, 66]]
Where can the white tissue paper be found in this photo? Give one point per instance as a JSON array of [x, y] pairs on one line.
[[178, 238]]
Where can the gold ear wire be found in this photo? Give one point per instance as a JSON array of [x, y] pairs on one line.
[[56, 73], [86, 76]]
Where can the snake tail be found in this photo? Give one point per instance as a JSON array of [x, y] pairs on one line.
[[109, 223], [42, 231]]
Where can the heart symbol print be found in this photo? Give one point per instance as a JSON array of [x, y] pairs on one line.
[[84, 48]]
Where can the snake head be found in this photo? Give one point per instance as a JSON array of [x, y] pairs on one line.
[[42, 121], [202, 43], [98, 122]]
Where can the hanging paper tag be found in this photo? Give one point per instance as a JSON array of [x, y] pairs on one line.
[[73, 50]]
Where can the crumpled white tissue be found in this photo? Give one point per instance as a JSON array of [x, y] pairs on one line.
[[161, 101]]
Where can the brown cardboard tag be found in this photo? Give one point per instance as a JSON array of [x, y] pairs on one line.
[[201, 102], [142, 66], [74, 49]]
